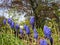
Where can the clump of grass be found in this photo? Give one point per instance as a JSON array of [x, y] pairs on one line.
[[8, 39]]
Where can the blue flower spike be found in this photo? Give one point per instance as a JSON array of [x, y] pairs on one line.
[[35, 30], [9, 21], [47, 32], [27, 30], [32, 21], [43, 42], [12, 25], [25, 26], [35, 33], [4, 21], [21, 31], [17, 27]]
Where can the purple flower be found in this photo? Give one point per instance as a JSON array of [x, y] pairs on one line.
[[17, 26], [9, 21], [32, 20], [35, 30], [47, 31], [21, 31], [27, 30], [12, 25], [43, 42], [35, 33], [4, 21], [25, 26]]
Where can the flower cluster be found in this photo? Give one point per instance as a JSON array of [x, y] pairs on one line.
[[9, 21], [21, 31], [47, 31], [17, 27], [35, 33], [43, 42], [25, 26], [12, 25], [4, 21], [27, 30], [32, 21]]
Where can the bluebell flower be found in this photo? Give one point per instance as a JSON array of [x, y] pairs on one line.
[[47, 32], [4, 21], [35, 30], [17, 26], [27, 30], [43, 42], [35, 33], [32, 20], [21, 31], [9, 21], [25, 26], [12, 25]]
